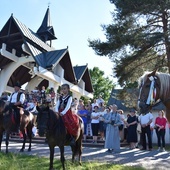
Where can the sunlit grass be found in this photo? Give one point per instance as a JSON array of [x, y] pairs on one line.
[[12, 161]]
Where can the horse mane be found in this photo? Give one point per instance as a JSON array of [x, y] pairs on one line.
[[164, 83], [143, 78], [53, 115], [5, 106], [56, 119]]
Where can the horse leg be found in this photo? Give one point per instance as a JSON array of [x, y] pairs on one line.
[[62, 159], [73, 153], [80, 151], [7, 141], [29, 133], [79, 147], [51, 157], [24, 140], [1, 136], [77, 150]]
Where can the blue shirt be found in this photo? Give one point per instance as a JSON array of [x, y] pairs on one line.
[[81, 112]]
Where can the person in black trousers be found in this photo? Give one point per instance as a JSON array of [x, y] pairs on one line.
[[160, 124], [145, 121]]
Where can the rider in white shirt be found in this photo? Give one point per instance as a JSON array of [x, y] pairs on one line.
[[17, 100]]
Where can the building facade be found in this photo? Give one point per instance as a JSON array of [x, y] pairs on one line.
[[29, 57]]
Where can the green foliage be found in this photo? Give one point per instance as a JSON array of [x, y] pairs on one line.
[[24, 162], [138, 39], [128, 97], [102, 85], [85, 99]]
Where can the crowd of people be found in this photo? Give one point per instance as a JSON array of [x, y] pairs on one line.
[[35, 96], [108, 123], [111, 125]]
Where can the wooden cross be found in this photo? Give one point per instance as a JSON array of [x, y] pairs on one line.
[[49, 3]]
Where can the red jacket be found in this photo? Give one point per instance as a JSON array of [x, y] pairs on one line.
[[161, 121]]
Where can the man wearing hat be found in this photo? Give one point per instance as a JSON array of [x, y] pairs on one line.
[[17, 100]]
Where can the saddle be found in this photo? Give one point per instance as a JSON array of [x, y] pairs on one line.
[[14, 116]]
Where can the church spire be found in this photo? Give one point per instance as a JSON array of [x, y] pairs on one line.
[[46, 31]]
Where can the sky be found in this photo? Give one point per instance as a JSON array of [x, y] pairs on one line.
[[74, 23]]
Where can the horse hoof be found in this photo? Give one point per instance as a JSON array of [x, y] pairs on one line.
[[29, 149], [22, 150]]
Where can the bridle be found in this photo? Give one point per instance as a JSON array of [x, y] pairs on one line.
[[151, 99]]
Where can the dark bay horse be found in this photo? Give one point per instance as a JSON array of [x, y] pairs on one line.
[[52, 124], [8, 125], [154, 87]]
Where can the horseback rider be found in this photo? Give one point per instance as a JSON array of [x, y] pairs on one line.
[[63, 108], [16, 101]]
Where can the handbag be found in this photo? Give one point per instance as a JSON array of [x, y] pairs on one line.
[[156, 127], [113, 122]]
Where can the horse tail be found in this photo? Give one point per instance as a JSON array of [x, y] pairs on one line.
[[78, 146]]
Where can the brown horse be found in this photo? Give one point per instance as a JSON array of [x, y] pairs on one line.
[[8, 125], [154, 87], [52, 124]]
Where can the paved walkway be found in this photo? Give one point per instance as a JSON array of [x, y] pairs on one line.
[[149, 160]]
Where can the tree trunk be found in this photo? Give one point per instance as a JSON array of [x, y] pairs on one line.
[[165, 31]]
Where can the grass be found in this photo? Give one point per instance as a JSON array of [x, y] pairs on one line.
[[167, 147], [12, 161]]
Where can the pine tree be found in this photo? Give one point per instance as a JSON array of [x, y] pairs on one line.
[[138, 39]]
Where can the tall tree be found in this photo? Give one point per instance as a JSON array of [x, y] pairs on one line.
[[138, 39], [102, 85]]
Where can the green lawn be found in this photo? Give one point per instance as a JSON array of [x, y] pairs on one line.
[[24, 162]]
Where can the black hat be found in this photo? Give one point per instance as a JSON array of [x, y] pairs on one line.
[[96, 106], [17, 84]]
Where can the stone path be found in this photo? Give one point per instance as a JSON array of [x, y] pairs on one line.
[[147, 159]]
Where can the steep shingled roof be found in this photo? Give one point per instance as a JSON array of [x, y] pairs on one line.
[[48, 59], [79, 71], [46, 30], [82, 72]]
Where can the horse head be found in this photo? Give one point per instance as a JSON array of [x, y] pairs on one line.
[[149, 95], [42, 119]]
